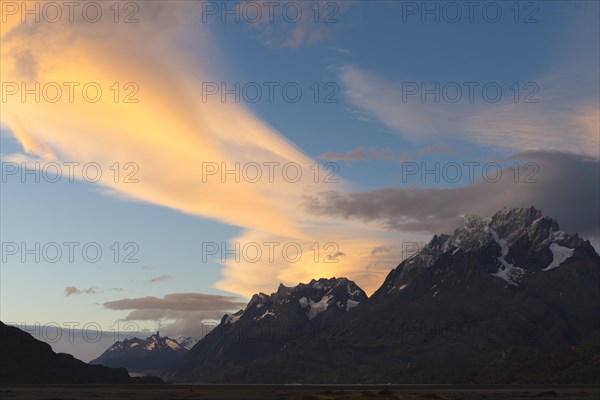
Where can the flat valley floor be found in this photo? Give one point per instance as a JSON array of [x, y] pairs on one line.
[[299, 392]]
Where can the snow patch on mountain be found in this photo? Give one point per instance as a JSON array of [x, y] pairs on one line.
[[266, 313], [559, 254], [232, 319], [350, 304], [351, 292], [506, 271], [317, 285], [317, 308], [303, 301], [186, 342], [558, 235]]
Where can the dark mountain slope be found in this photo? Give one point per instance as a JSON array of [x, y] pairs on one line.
[[26, 360], [497, 288], [268, 324]]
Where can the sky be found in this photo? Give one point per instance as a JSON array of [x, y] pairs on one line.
[[163, 161]]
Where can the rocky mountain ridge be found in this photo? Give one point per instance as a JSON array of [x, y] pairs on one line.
[[497, 288]]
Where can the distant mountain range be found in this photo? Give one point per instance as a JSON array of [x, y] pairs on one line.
[[504, 299], [151, 356], [466, 308], [26, 360], [187, 342]]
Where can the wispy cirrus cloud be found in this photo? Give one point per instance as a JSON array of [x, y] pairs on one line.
[[386, 154], [293, 24], [73, 290], [160, 278], [567, 118], [171, 132], [557, 109], [430, 149], [340, 50], [356, 154]]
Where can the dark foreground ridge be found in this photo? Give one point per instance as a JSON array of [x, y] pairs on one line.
[[26, 360]]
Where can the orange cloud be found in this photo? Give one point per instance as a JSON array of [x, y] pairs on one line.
[[171, 134]]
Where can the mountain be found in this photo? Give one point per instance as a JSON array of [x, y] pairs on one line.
[[496, 287], [462, 309], [268, 324], [26, 360], [153, 355], [186, 342]]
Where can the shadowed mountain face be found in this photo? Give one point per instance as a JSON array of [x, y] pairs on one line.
[[153, 355], [477, 300], [26, 360], [268, 324]]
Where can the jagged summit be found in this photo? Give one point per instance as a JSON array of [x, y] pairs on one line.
[[313, 298], [283, 290], [151, 355], [187, 342], [509, 223], [153, 343], [270, 323], [511, 244]]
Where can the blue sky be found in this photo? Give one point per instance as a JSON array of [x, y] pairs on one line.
[[368, 58]]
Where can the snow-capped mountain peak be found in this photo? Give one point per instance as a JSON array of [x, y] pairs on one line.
[[311, 299], [153, 354], [231, 318], [154, 343], [187, 342], [270, 323], [510, 245]]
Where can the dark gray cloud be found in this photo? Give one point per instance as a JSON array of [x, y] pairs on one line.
[[567, 189], [208, 303], [178, 313]]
